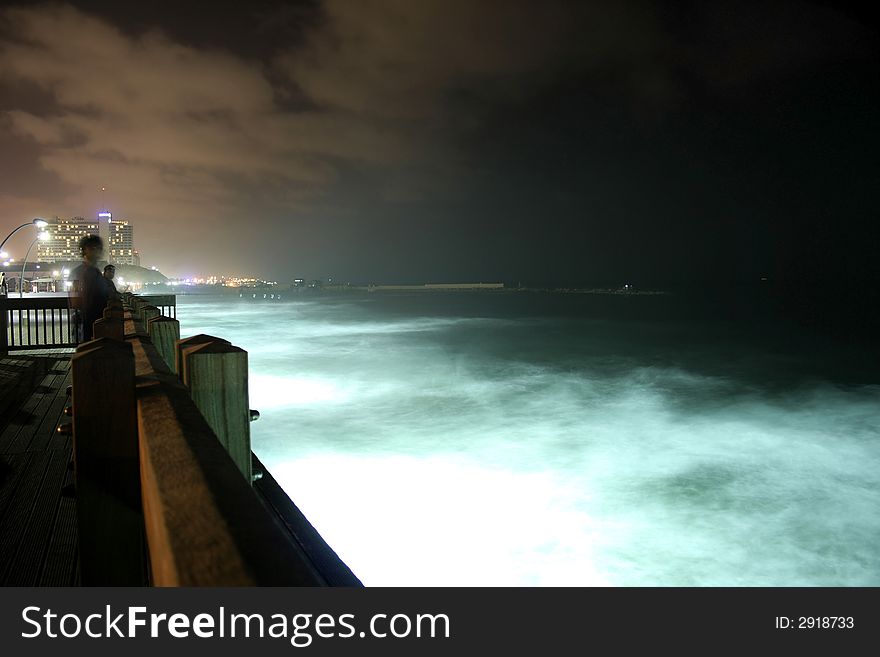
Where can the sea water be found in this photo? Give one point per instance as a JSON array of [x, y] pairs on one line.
[[522, 438]]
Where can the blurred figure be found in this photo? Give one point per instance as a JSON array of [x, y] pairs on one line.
[[4, 286], [89, 291], [109, 273]]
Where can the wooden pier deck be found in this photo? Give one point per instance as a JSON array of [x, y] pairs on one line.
[[159, 496], [38, 537]]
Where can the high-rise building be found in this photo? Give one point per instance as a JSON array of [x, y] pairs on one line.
[[62, 239], [121, 244], [105, 217]]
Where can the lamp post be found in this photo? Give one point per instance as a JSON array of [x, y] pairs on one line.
[[41, 236], [39, 223]]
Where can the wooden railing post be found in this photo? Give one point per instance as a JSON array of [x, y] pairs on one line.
[[216, 374], [112, 311], [165, 332], [137, 308], [148, 313], [109, 327], [201, 338], [107, 466]]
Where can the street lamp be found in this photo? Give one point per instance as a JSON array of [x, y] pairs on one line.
[[39, 223], [40, 237]]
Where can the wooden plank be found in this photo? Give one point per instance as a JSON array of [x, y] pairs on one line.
[[19, 376], [12, 467], [60, 564], [25, 566], [15, 519], [16, 431], [43, 397], [14, 424], [45, 436]]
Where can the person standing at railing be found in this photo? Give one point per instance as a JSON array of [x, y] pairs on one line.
[[89, 292], [109, 273]]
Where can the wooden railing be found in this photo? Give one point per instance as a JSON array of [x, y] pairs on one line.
[[159, 426], [48, 322], [166, 303]]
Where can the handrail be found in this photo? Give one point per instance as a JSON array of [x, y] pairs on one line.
[[15, 303], [47, 322], [205, 524], [166, 303], [44, 321]]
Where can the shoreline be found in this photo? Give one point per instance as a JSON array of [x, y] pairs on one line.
[[392, 289]]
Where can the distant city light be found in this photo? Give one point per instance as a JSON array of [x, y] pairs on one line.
[[105, 214], [55, 273], [43, 236], [4, 254], [40, 223], [66, 273], [6, 264]]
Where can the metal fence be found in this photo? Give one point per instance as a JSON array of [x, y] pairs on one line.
[[45, 322]]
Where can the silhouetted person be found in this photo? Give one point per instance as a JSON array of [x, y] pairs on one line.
[[4, 286], [89, 291], [109, 273]]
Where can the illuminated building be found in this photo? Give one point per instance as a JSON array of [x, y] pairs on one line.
[[63, 235], [121, 244], [62, 239]]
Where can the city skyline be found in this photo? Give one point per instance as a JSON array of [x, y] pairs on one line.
[[657, 143], [59, 239]]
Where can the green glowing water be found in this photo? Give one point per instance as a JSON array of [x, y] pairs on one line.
[[506, 439]]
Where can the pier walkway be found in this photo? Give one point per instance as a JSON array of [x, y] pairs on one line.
[[38, 537]]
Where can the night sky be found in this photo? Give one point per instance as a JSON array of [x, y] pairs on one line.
[[549, 142]]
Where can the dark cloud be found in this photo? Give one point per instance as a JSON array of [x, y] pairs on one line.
[[312, 126]]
